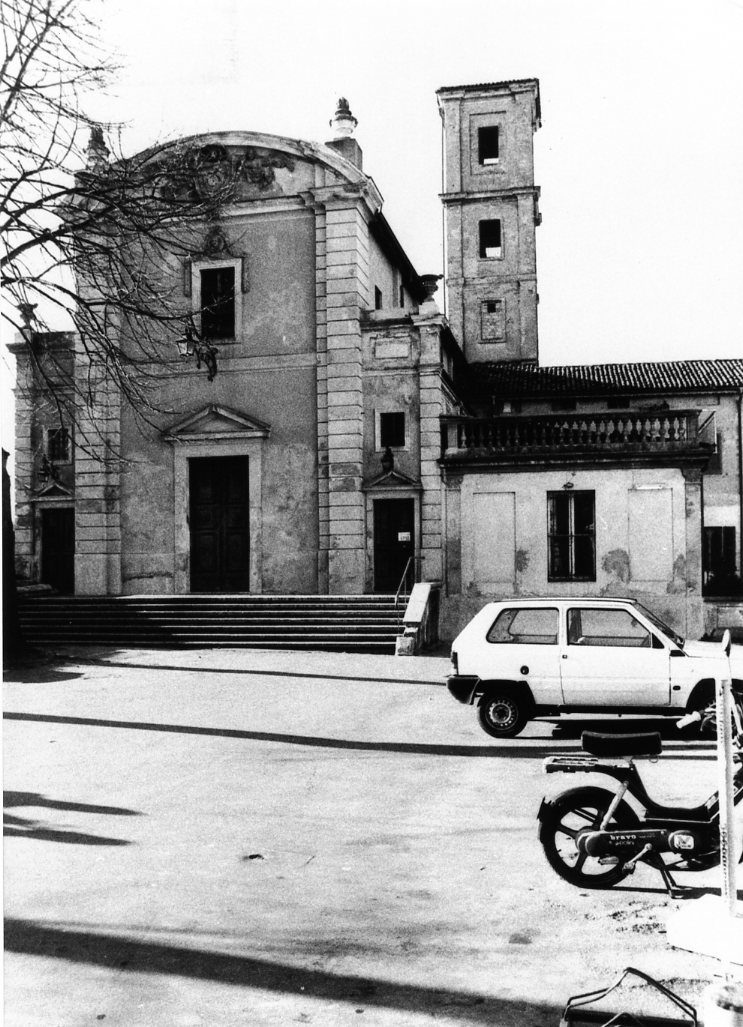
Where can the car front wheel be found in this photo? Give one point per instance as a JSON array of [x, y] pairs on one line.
[[502, 715]]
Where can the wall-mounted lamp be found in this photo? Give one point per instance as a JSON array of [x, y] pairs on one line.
[[48, 471], [191, 345], [568, 485]]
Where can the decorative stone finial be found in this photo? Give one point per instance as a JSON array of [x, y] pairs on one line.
[[343, 122], [97, 151], [430, 283]]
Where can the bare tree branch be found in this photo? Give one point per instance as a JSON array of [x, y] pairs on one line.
[[86, 229]]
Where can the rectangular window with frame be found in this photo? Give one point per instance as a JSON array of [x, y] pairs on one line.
[[571, 536], [378, 298], [490, 239], [392, 430], [218, 302], [488, 145], [493, 321], [58, 445]]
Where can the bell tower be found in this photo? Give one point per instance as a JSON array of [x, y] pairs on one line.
[[491, 210]]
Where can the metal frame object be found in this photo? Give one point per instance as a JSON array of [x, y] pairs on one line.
[[575, 1014]]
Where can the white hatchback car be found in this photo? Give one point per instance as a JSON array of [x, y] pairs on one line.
[[524, 658]]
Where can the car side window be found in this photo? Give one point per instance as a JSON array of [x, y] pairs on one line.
[[524, 627], [589, 627]]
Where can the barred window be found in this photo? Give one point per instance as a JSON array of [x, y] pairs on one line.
[[571, 536], [58, 445]]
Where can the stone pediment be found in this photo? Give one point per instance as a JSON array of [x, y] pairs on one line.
[[216, 422], [392, 480], [54, 490]]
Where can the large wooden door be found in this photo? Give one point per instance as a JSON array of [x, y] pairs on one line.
[[58, 549], [394, 541], [220, 524]]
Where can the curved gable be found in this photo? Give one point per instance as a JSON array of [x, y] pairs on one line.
[[242, 166]]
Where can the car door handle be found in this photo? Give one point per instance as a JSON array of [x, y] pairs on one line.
[[564, 656]]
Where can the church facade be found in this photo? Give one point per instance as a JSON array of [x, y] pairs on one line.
[[353, 432]]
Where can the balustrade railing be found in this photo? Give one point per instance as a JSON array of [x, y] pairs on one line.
[[519, 435]]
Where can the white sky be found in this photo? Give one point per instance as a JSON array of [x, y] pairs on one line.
[[640, 158]]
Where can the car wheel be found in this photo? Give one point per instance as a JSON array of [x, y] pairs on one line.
[[502, 715]]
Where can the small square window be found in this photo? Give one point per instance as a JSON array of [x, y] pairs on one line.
[[488, 146], [377, 298], [490, 239], [58, 445], [493, 321], [392, 430], [218, 302]]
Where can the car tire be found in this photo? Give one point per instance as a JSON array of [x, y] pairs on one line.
[[502, 714]]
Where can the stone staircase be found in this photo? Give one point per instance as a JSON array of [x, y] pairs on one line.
[[362, 624]]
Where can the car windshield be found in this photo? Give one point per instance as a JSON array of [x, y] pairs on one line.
[[661, 625]]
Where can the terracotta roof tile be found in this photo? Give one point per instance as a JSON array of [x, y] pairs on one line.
[[528, 379]]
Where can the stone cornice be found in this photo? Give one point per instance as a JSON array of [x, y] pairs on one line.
[[512, 192]]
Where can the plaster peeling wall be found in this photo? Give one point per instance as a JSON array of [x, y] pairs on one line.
[[648, 523]]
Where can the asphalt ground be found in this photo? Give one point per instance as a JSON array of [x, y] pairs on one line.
[[266, 838]]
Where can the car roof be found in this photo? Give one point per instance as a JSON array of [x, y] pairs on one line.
[[528, 600]]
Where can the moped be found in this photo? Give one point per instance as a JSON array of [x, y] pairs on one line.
[[593, 838]]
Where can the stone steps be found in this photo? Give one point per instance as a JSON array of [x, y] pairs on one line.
[[333, 623]]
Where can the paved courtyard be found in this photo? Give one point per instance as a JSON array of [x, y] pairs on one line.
[[246, 837]]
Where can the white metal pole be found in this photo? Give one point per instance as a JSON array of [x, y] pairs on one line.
[[723, 690]]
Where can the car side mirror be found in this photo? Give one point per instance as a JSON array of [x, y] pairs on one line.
[[677, 652]]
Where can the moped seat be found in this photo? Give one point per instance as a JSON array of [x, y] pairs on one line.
[[647, 743]]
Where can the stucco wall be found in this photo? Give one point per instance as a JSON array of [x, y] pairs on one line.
[[268, 373], [648, 525]]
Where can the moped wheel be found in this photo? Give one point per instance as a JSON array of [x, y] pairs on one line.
[[574, 811]]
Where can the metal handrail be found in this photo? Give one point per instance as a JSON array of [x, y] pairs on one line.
[[403, 580]]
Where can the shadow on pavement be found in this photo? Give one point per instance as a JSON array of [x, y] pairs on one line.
[[38, 674], [666, 726], [257, 672], [24, 827], [18, 827], [517, 749], [107, 950], [11, 799]]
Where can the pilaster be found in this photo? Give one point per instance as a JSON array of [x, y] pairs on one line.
[[432, 407], [343, 277], [97, 480], [25, 548]]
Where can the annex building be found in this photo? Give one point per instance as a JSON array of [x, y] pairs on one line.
[[353, 430]]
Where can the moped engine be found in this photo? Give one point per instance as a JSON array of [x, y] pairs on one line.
[[686, 842], [620, 843]]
